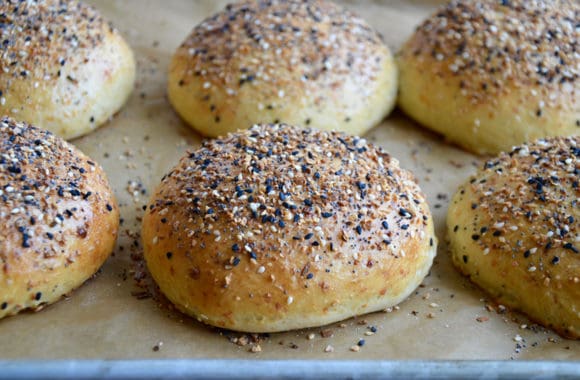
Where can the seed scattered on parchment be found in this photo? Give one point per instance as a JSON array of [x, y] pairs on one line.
[[310, 336], [158, 346], [329, 348], [256, 348], [326, 333], [355, 348], [391, 309], [482, 319]]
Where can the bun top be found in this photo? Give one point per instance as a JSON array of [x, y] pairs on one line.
[[280, 189], [527, 204], [40, 37], [49, 191], [310, 44], [501, 45]]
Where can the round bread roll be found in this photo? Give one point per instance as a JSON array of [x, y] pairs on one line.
[[493, 74], [58, 215], [65, 68], [278, 228], [514, 230], [299, 62]]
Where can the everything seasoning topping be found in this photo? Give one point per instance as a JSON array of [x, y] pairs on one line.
[[259, 226], [44, 194], [305, 43], [494, 43], [530, 203], [45, 40]]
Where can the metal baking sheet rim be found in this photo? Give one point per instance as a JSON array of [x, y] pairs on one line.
[[287, 369]]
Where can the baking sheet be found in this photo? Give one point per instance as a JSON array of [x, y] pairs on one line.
[[446, 318]]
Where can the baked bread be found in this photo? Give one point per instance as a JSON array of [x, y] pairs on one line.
[[278, 228], [58, 215], [514, 230], [491, 74], [308, 63], [65, 68]]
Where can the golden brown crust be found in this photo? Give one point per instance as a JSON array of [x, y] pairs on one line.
[[59, 217], [514, 231], [307, 63], [278, 228], [65, 68], [493, 74]]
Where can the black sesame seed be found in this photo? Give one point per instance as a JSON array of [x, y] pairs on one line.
[[455, 228], [327, 214], [555, 260], [14, 169], [235, 248], [38, 296], [405, 213], [169, 255], [571, 247], [109, 207], [361, 343], [309, 276], [359, 229], [4, 305], [308, 236], [465, 259], [475, 237], [236, 261]]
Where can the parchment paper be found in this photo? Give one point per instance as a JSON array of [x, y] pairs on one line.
[[103, 320]]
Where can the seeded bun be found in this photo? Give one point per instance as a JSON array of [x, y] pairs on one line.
[[308, 63], [514, 230], [491, 74], [66, 69], [279, 228], [58, 215]]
